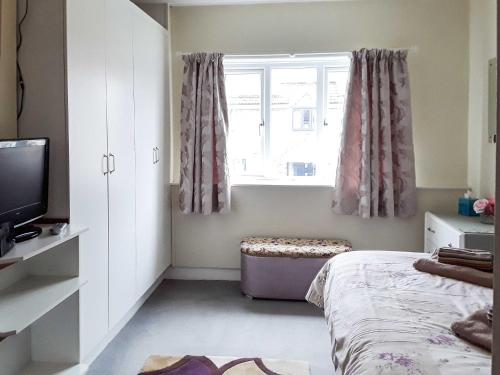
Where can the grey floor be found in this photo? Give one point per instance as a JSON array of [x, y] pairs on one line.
[[213, 318]]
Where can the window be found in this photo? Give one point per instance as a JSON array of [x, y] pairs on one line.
[[285, 118]]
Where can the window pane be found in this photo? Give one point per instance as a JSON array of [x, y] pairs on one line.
[[244, 96], [336, 82], [293, 136]]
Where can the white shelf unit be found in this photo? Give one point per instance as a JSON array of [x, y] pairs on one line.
[[26, 301], [39, 306], [28, 249]]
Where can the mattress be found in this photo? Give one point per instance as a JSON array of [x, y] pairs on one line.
[[385, 317]]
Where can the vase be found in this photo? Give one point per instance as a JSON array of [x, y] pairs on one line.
[[487, 219]]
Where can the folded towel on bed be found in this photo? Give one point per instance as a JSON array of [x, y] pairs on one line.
[[477, 264], [476, 329], [479, 259], [467, 274], [455, 252]]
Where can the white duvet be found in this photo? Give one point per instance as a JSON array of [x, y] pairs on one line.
[[385, 317]]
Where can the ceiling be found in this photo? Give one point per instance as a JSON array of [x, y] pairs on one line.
[[223, 2]]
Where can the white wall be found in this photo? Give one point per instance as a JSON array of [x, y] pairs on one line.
[[439, 69], [8, 125], [42, 60], [303, 211], [482, 29]]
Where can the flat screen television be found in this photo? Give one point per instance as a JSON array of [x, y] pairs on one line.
[[24, 184]]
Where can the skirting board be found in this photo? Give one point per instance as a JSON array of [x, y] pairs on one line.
[[111, 334], [191, 273]]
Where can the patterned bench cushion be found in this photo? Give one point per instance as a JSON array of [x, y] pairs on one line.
[[293, 247]]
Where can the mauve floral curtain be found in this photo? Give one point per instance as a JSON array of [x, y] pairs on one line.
[[376, 172], [204, 184]]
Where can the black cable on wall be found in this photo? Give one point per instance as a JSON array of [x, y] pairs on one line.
[[20, 77]]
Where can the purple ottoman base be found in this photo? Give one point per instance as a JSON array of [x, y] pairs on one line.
[[278, 277]]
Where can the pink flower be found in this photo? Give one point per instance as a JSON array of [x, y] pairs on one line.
[[490, 208], [480, 205], [485, 206]]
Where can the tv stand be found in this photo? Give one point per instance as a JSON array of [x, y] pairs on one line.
[[26, 232]]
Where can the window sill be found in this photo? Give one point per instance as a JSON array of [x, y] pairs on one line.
[[284, 183]]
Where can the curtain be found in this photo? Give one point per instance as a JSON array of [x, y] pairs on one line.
[[376, 171], [204, 186]]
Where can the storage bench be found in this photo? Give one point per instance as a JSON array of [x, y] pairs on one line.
[[283, 268]]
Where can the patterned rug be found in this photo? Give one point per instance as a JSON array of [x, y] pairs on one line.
[[191, 365]]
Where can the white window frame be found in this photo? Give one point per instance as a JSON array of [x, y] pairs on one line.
[[265, 63], [261, 126]]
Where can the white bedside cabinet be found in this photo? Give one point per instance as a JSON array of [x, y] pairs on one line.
[[457, 231]]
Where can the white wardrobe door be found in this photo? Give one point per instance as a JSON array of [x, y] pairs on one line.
[[164, 165], [119, 77], [151, 104], [160, 86], [86, 85]]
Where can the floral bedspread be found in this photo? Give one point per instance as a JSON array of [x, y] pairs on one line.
[[385, 317]]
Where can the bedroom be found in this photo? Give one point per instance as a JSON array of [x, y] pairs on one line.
[[450, 44]]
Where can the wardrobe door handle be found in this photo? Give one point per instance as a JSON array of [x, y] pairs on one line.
[[112, 158], [157, 154], [104, 164], [154, 155], [431, 230]]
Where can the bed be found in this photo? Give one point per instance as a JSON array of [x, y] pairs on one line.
[[385, 317]]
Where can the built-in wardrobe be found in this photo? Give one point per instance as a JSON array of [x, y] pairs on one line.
[[96, 76]]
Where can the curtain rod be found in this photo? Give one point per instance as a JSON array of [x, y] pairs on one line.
[[413, 49]]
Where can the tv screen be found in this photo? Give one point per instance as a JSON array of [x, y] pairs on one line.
[[24, 170]]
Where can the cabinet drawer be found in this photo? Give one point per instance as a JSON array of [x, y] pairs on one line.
[[447, 237], [440, 234], [431, 228]]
